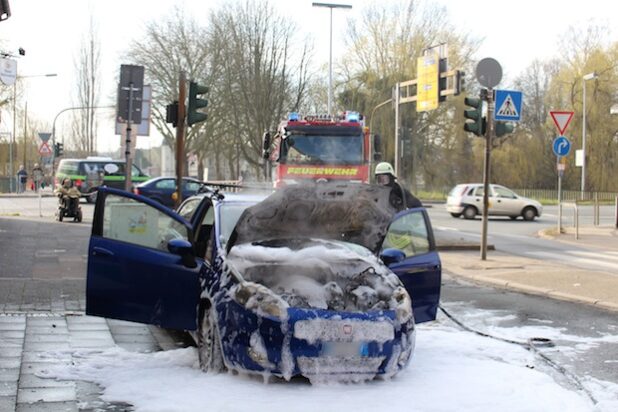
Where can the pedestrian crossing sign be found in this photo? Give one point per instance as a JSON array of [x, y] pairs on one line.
[[508, 105]]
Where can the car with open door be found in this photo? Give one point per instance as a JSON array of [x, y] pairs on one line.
[[324, 280]]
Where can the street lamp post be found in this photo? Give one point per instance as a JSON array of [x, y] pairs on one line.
[[14, 137], [330, 60], [588, 76]]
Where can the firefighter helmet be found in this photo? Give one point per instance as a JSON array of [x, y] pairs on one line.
[[385, 168]]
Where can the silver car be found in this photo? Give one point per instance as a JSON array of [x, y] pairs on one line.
[[467, 200]]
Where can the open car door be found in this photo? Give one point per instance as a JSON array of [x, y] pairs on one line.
[[417, 263], [141, 266]]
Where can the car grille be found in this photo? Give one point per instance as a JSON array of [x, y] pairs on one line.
[[343, 330]]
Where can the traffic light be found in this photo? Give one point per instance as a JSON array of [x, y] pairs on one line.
[[171, 113], [195, 103], [503, 128], [475, 113], [58, 149]]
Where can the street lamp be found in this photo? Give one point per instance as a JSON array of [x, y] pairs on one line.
[[588, 76], [331, 6], [13, 138]]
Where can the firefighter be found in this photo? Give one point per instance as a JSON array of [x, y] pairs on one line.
[[400, 197]]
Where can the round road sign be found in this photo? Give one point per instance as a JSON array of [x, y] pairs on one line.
[[561, 146], [489, 72]]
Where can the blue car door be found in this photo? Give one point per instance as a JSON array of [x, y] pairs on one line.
[[132, 274], [418, 264]]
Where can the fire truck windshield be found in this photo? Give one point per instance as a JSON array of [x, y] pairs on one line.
[[308, 149]]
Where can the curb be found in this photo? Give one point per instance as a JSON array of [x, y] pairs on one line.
[[532, 290]]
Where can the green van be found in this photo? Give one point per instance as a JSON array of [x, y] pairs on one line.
[[90, 173]]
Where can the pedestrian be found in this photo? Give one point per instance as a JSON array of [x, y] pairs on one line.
[[400, 197], [22, 178], [37, 177]]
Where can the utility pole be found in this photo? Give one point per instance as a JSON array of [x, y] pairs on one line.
[[180, 134], [488, 96], [397, 142]]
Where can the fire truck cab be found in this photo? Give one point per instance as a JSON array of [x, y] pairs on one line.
[[319, 148]]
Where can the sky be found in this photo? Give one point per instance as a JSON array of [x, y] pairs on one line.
[[451, 370], [514, 33]]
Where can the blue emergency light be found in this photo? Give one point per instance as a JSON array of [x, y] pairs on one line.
[[352, 117], [293, 117]]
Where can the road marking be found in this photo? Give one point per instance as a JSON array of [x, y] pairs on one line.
[[601, 255], [447, 228], [567, 257]]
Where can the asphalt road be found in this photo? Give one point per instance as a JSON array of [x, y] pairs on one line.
[[521, 238]]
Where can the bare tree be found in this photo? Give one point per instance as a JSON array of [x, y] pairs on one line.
[[262, 77], [87, 67]]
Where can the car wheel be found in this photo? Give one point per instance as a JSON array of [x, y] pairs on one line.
[[208, 342], [456, 215], [91, 197], [470, 212], [529, 213]]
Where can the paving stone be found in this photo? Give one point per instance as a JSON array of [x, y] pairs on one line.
[[11, 374], [46, 330], [139, 347], [9, 362], [7, 403], [46, 346], [10, 352], [32, 381], [46, 321], [91, 334], [129, 330], [35, 368], [85, 319], [8, 389], [14, 326], [48, 407], [31, 395], [73, 327], [134, 339], [91, 343], [11, 334], [41, 338], [47, 357]]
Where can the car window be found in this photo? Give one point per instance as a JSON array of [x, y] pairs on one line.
[[457, 190], [188, 208], [134, 222], [192, 186], [408, 234], [166, 184], [135, 171], [479, 191], [504, 192], [67, 167], [228, 215]]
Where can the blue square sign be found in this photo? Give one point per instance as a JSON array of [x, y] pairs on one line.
[[508, 105]]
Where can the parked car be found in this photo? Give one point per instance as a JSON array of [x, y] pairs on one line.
[[90, 173], [467, 200], [316, 280], [162, 189]]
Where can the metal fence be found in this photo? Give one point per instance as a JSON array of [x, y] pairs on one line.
[[567, 195]]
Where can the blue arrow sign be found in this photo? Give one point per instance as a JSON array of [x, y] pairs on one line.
[[508, 105], [561, 146]]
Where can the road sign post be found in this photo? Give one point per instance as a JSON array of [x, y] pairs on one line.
[[561, 147]]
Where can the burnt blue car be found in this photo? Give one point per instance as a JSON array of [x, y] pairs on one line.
[[295, 283]]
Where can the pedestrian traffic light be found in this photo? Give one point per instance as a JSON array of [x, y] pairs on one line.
[[171, 113], [475, 113], [503, 128], [58, 149], [195, 103]]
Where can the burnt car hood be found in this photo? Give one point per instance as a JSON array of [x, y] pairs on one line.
[[352, 212]]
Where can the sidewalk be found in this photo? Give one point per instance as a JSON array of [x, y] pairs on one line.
[[45, 192], [538, 277]]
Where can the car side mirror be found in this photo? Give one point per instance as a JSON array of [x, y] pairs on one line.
[[184, 249], [390, 256]]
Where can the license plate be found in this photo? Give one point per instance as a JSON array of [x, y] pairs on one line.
[[345, 349]]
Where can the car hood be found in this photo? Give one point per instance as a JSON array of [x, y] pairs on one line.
[[352, 212]]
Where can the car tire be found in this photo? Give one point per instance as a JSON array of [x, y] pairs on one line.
[[529, 213], [470, 212], [456, 215], [208, 341], [91, 197]]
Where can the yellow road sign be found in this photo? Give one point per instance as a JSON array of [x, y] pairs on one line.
[[427, 90]]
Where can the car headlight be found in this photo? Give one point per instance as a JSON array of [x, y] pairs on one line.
[[403, 305], [260, 299]]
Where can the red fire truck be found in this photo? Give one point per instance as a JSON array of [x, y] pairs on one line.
[[319, 148]]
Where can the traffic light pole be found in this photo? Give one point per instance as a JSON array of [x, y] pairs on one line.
[[180, 134], [486, 166]]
